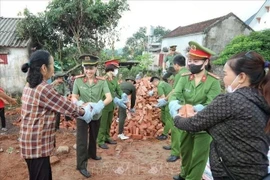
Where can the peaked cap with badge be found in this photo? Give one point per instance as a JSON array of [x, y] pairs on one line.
[[89, 60], [199, 51], [114, 62]]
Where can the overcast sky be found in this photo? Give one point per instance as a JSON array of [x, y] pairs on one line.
[[167, 13]]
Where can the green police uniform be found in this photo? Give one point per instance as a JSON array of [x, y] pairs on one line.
[[107, 113], [88, 93], [178, 75], [195, 146], [164, 88], [175, 132], [61, 88], [129, 89]]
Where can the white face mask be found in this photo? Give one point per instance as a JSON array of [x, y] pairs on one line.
[[115, 72], [229, 89]]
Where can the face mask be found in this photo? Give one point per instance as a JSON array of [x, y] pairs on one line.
[[115, 72], [195, 69], [229, 89]]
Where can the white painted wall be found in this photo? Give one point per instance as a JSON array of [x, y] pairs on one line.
[[265, 19], [12, 79], [182, 41]]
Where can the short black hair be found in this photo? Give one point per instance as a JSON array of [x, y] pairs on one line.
[[109, 68], [180, 60], [153, 78]]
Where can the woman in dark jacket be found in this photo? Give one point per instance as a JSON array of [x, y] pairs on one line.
[[237, 120]]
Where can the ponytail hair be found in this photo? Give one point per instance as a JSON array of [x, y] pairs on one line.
[[33, 67]]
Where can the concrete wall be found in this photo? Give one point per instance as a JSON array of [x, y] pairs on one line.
[[264, 23], [182, 41], [12, 79], [222, 33]]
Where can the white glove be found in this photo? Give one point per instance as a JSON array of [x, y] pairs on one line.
[[150, 93], [88, 113], [132, 110]]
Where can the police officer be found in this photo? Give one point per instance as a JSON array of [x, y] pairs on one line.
[[128, 88], [61, 87], [179, 63], [119, 98], [168, 69], [198, 88], [164, 90], [89, 88]]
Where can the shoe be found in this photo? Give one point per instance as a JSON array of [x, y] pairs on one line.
[[122, 136], [167, 147], [172, 158], [103, 146], [85, 173], [162, 137], [178, 177], [111, 141], [4, 129], [96, 158]]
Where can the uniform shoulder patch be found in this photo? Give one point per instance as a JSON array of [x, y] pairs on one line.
[[214, 76], [79, 76], [186, 74]]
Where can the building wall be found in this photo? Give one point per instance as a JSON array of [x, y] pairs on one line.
[[12, 79], [264, 22], [223, 32], [182, 41]]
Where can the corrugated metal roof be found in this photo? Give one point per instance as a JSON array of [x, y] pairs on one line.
[[8, 36]]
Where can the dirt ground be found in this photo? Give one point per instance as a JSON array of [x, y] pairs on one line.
[[138, 160]]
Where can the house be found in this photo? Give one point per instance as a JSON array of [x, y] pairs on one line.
[[13, 53], [261, 19], [214, 33]]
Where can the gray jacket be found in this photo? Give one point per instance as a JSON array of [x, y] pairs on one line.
[[236, 121]]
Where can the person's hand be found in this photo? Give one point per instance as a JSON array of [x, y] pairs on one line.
[[88, 113], [124, 97], [119, 102], [198, 107], [132, 110], [97, 107], [164, 71], [161, 102], [150, 93], [13, 101], [174, 106]]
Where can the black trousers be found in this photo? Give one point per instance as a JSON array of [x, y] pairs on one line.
[[86, 141], [3, 118], [122, 113], [57, 118], [39, 168]]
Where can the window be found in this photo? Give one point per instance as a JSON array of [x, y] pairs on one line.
[[3, 59]]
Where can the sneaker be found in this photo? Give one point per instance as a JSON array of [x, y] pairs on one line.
[[122, 136], [4, 129]]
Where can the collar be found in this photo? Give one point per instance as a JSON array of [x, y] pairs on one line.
[[204, 77]]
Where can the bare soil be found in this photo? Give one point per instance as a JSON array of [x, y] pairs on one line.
[[138, 159]]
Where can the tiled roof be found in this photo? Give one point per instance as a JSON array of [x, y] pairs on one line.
[[8, 36], [194, 28]]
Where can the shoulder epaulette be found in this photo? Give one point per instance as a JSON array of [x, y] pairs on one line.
[[79, 76], [213, 75], [186, 74]]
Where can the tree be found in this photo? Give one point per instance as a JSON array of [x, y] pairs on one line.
[[256, 41], [139, 41], [85, 20], [71, 23], [159, 32]]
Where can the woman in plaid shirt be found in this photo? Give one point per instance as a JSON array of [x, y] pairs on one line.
[[40, 102]]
